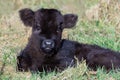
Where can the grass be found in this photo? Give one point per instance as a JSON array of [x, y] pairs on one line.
[[102, 31]]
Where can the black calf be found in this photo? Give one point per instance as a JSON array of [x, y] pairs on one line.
[[47, 51]]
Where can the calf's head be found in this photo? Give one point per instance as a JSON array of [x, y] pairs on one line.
[[47, 26]]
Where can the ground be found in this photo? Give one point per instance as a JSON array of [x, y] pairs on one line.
[[99, 23]]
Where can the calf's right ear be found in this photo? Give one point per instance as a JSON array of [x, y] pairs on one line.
[[27, 16]]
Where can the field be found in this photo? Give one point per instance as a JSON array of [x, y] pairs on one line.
[[99, 23]]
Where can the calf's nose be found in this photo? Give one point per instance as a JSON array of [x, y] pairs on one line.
[[48, 43]]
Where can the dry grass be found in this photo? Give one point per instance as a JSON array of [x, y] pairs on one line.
[[100, 25]]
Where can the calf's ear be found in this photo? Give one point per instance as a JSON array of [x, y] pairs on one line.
[[27, 16], [70, 20]]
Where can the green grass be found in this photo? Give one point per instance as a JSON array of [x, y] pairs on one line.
[[14, 36]]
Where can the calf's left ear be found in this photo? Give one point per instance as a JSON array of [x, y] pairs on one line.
[[70, 20]]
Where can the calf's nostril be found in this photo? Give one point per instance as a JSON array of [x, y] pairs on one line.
[[48, 43]]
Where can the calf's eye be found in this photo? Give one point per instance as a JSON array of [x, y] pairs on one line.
[[60, 27], [38, 27]]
